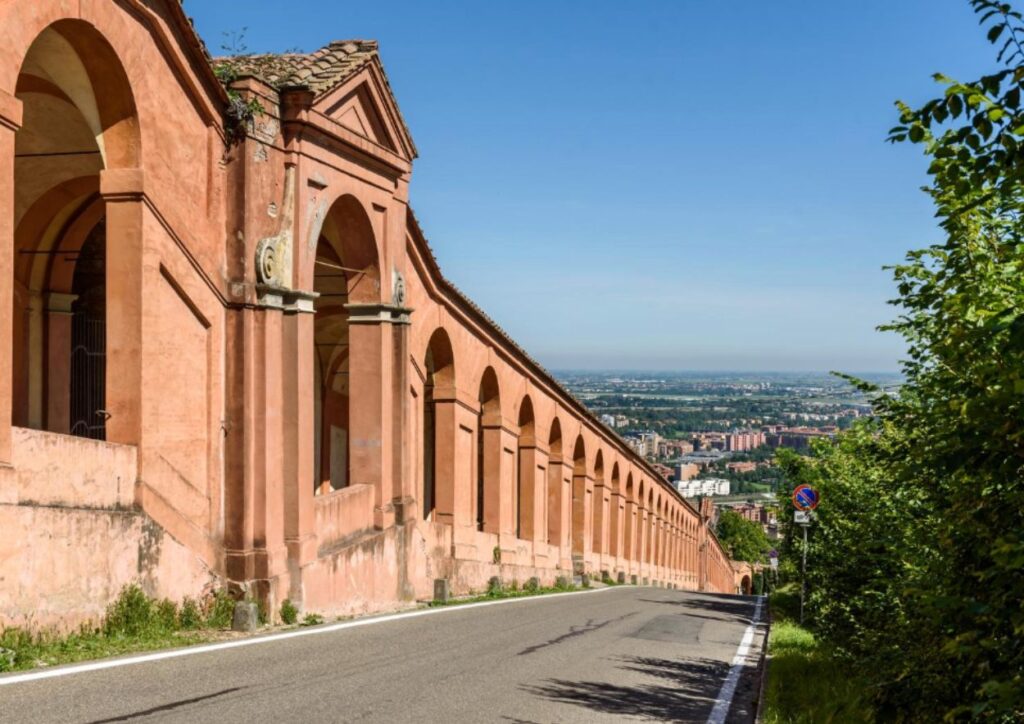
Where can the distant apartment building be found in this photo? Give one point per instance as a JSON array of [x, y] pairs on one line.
[[744, 467], [797, 438], [685, 471], [608, 420], [703, 487]]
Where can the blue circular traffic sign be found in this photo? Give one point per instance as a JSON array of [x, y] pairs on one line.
[[805, 498]]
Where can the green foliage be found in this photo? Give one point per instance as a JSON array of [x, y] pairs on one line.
[[744, 539], [132, 614], [312, 619], [532, 585], [289, 613], [220, 609], [496, 555], [916, 559], [494, 587], [190, 617], [133, 622], [797, 660]]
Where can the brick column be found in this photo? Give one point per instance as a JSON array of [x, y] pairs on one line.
[[58, 361], [10, 122], [298, 533], [122, 190], [533, 471]]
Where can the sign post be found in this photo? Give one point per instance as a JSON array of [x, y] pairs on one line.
[[805, 499]]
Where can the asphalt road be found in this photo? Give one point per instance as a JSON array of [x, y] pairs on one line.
[[625, 654]]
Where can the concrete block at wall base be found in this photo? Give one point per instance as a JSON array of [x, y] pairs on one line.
[[621, 578], [633, 579], [585, 580], [246, 617], [442, 590], [646, 582]]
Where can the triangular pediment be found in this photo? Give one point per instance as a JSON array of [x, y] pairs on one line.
[[357, 112], [365, 105]]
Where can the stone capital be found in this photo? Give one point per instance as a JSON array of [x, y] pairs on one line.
[[59, 303], [377, 313], [10, 112]]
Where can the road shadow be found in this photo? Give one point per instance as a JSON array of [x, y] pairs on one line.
[[687, 693], [738, 608]]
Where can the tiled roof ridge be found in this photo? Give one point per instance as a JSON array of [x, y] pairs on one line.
[[320, 70]]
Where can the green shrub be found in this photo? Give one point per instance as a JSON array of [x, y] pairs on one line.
[[494, 587], [190, 617], [220, 609], [312, 619], [562, 583], [131, 614], [532, 585], [289, 613], [165, 615]]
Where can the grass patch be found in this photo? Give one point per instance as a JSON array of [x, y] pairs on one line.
[[133, 622], [806, 683]]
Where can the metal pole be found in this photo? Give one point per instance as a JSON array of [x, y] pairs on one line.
[[803, 576]]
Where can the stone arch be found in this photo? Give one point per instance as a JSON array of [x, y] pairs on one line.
[[640, 522], [649, 528], [438, 385], [580, 505], [629, 519], [530, 496], [488, 454], [598, 518], [746, 588], [617, 512], [80, 121], [556, 505], [346, 356]]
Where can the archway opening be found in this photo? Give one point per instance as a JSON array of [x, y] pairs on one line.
[[439, 369], [345, 272], [554, 508], [597, 512], [488, 441], [579, 498], [78, 120], [525, 488]]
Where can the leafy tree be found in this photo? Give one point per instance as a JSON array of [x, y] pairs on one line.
[[743, 539], [918, 554]]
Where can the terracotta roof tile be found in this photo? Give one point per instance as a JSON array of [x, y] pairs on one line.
[[320, 71]]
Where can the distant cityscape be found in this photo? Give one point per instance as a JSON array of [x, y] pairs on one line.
[[715, 435]]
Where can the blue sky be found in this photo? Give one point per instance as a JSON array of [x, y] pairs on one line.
[[661, 184]]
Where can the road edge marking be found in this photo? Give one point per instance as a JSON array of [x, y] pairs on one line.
[[71, 669], [723, 702]]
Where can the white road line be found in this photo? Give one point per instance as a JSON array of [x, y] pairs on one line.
[[270, 638], [723, 701]]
